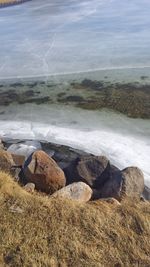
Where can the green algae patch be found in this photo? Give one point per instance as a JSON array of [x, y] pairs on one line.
[[131, 99]]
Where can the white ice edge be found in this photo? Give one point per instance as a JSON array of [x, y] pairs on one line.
[[125, 141]]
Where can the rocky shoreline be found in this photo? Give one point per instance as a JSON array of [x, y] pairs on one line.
[[61, 171]]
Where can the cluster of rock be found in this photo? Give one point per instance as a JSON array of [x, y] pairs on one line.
[[67, 173]]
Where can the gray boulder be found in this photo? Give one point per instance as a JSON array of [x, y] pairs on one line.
[[92, 170], [126, 183]]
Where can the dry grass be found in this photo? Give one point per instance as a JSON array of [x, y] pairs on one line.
[[59, 233], [8, 1]]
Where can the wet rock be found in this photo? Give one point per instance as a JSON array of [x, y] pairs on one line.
[[30, 187], [77, 191], [126, 183], [44, 172], [93, 170]]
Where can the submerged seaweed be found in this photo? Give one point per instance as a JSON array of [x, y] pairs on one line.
[[132, 99]]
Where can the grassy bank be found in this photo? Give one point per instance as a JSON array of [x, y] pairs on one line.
[[5, 3], [38, 231]]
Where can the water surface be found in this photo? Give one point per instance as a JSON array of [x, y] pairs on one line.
[[61, 36]]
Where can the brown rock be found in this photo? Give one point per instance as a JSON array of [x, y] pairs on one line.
[[6, 161], [44, 172], [18, 160], [11, 163], [77, 191]]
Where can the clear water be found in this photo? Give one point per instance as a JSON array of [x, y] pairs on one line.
[[61, 41]]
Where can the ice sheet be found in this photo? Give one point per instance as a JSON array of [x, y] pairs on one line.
[[61, 36]]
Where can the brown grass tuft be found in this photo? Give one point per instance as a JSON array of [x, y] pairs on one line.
[[54, 232]]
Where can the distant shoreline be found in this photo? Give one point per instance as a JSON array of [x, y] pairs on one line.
[[7, 3]]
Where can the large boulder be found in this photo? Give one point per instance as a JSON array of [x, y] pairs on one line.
[[93, 170], [44, 172], [80, 192], [63, 155], [126, 183]]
